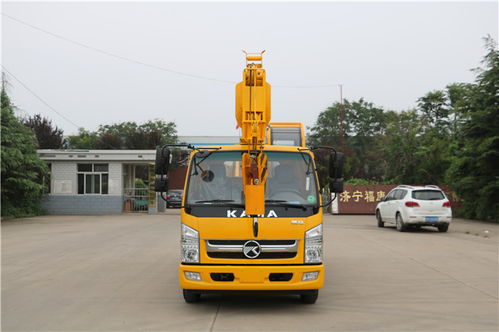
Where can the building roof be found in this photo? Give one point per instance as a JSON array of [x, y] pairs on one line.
[[96, 155], [129, 155]]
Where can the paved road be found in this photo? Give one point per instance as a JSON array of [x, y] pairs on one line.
[[69, 273]]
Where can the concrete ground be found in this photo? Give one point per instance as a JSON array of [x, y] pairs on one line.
[[88, 273]]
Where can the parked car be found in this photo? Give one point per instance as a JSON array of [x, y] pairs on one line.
[[415, 206], [174, 198]]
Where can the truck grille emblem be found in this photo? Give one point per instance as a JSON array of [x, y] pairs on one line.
[[252, 249]]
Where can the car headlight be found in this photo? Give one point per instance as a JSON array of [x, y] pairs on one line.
[[189, 242], [313, 245]]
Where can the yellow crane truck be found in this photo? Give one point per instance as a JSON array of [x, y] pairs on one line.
[[252, 215]]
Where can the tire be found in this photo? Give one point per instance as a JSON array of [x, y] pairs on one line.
[[443, 228], [310, 296], [401, 227], [190, 296], [378, 218]]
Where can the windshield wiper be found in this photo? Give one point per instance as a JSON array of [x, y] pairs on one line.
[[306, 162], [220, 202], [280, 202]]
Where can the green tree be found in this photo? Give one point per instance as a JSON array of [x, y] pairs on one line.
[[399, 147], [126, 135], [84, 140], [435, 110], [473, 172], [21, 168], [47, 136], [364, 125], [458, 95]]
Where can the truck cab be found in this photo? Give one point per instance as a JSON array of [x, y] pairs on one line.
[[225, 249]]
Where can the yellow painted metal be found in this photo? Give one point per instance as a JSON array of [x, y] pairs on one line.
[[253, 116], [251, 277], [242, 228]]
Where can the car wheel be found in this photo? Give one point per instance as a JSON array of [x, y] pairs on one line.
[[443, 228], [401, 227], [380, 221], [191, 296], [310, 296]]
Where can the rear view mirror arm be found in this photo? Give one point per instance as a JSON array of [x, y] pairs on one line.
[[329, 202]]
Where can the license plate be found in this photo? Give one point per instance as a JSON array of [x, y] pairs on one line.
[[431, 218]]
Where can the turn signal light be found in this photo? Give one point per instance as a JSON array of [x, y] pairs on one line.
[[411, 204], [446, 204]]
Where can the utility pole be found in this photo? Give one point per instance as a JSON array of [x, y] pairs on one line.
[[342, 121]]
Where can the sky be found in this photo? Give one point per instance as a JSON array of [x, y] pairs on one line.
[[99, 63]]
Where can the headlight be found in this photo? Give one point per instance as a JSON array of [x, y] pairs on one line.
[[313, 245], [190, 245]]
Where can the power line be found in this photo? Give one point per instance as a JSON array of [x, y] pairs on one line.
[[116, 55], [38, 97], [138, 62], [305, 86]]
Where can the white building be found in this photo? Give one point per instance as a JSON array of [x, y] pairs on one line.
[[92, 181], [103, 181]]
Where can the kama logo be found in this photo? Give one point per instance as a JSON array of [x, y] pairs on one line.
[[252, 249], [234, 214]]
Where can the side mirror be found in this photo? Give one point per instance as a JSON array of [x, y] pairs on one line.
[[163, 158], [336, 185], [336, 162], [383, 199], [161, 184]]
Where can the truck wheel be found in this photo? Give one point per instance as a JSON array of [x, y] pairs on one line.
[[310, 296], [191, 296], [380, 221], [401, 227], [443, 228]]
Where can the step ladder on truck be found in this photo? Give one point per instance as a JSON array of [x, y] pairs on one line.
[[251, 216]]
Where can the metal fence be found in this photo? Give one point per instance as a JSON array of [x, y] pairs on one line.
[[136, 200]]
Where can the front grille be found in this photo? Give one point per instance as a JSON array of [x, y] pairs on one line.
[[233, 248], [262, 242], [240, 255]]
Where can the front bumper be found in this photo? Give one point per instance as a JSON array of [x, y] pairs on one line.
[[254, 277]]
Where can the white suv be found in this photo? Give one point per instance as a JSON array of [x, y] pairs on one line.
[[407, 206]]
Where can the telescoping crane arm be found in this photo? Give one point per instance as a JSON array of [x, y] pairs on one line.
[[253, 116]]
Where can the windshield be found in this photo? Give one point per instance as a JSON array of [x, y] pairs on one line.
[[215, 179], [428, 195]]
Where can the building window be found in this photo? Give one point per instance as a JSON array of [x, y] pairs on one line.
[[93, 179]]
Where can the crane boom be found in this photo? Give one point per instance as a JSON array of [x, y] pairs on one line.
[[253, 116]]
